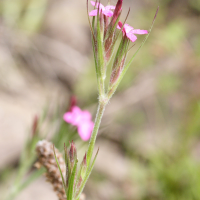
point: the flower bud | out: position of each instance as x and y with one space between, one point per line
116 72
117 12
73 102
72 154
119 61
110 37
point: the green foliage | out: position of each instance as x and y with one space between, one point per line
26 15
168 83
173 35
195 4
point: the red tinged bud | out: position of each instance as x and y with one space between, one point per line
117 12
73 102
110 33
117 72
84 160
119 61
72 154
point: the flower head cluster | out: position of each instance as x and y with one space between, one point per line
104 28
82 120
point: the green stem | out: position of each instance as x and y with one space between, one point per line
100 111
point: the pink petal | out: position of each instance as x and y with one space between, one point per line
73 117
119 25
128 28
81 119
68 117
138 31
86 116
131 36
97 5
85 130
93 13
93 3
108 13
76 109
109 7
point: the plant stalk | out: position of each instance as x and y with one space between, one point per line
100 111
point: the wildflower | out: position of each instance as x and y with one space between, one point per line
105 10
82 120
129 31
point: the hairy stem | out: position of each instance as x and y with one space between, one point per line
100 111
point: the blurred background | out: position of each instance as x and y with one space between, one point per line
150 134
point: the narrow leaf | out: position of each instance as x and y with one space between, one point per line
100 54
67 163
63 181
70 191
86 177
90 22
68 166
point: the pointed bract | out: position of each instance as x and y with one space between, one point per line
117 11
72 154
84 166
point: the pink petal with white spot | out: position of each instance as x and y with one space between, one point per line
138 31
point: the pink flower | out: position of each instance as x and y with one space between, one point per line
129 31
105 10
82 120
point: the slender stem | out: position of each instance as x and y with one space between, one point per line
99 115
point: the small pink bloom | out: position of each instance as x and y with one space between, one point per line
85 130
105 10
82 120
130 31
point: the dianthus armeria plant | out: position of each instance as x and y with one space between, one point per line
106 28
